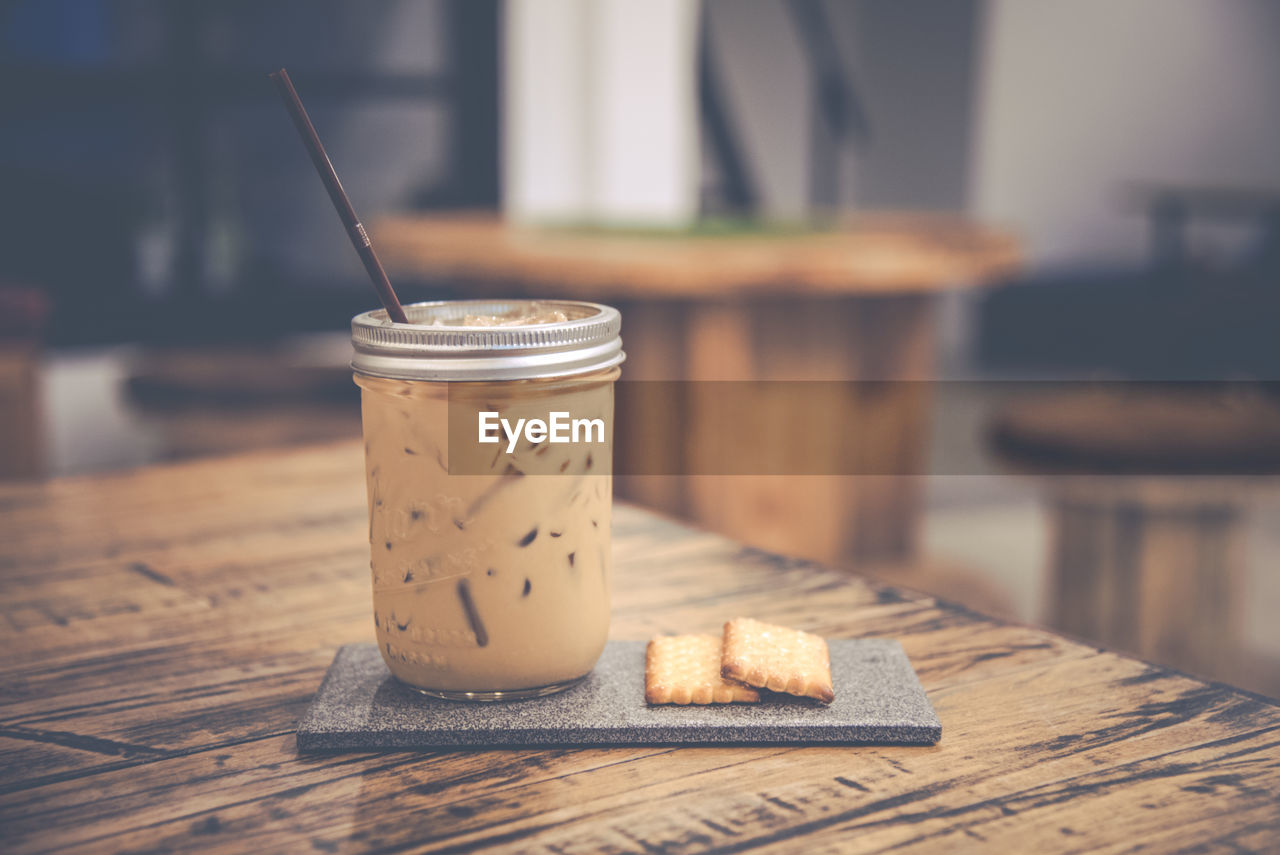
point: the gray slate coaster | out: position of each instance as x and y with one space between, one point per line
361 707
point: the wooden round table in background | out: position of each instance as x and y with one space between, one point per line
848 303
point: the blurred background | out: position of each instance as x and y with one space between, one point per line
961 194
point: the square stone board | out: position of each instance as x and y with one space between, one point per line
361 707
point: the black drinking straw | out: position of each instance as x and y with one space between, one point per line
355 231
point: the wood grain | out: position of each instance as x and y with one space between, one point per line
164 628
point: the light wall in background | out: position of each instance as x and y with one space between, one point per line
600 118
1077 99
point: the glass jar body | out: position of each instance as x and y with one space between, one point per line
492 582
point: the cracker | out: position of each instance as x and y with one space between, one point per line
685 669
777 658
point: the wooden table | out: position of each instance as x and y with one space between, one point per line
164 629
850 303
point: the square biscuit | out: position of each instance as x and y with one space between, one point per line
685 669
777 658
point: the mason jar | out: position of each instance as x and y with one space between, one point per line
490 552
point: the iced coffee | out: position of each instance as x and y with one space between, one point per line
490 559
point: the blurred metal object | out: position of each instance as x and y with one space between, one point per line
740 193
839 116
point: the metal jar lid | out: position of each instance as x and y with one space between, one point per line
428 348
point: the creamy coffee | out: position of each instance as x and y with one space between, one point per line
492 581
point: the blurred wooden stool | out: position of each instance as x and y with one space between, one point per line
1149 563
